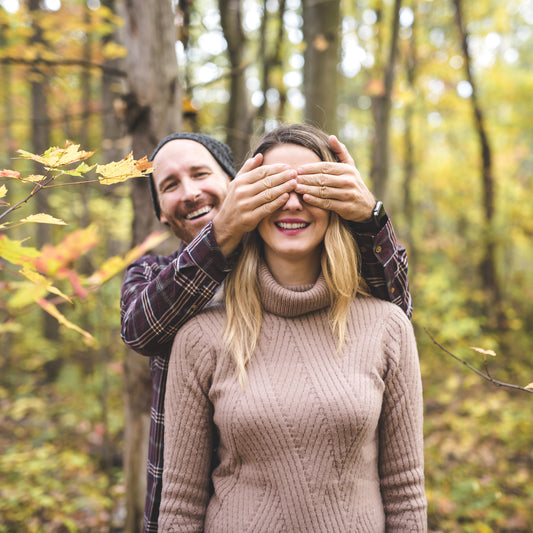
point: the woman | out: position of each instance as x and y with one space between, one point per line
309 388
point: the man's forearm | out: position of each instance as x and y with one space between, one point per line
160 294
384 267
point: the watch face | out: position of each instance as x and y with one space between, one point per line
379 211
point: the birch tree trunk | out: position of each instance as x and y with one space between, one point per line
153 110
321 37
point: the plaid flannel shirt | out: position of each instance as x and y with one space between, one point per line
160 293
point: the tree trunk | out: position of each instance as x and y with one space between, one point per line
152 111
381 106
271 60
321 37
41 142
488 271
409 153
239 125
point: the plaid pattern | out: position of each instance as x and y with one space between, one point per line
160 293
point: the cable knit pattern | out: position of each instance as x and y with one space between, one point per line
319 441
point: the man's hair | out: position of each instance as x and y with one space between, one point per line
339 261
220 151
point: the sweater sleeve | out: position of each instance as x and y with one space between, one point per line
189 433
401 448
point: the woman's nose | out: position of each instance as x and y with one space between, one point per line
294 203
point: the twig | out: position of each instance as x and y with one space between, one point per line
38 187
481 374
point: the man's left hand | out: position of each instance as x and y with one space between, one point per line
336 186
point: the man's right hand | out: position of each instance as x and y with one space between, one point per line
256 192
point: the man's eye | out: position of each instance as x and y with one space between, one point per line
169 187
200 175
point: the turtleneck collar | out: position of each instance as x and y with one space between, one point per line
291 302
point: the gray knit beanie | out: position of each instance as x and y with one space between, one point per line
217 149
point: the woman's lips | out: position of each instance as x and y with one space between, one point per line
291 225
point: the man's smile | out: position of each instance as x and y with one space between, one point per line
197 213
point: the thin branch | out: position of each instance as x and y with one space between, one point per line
38 187
112 71
481 374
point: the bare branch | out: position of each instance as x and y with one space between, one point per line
481 374
112 71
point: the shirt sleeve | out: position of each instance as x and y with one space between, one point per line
384 267
189 433
159 294
401 446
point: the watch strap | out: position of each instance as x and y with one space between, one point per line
375 223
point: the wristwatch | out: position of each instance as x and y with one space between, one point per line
375 223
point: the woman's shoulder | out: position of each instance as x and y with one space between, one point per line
201 333
370 305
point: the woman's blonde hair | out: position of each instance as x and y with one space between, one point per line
339 262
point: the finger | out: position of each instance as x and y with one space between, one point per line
320 180
250 164
325 167
285 178
272 194
323 192
327 204
266 209
340 150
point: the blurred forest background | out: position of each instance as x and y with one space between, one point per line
433 100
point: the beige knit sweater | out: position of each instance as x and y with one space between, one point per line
317 442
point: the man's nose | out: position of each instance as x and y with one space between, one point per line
190 190
294 203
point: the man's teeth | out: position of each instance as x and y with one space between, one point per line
198 212
292 225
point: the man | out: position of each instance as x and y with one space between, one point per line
197 194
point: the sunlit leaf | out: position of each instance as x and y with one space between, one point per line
3 191
56 157
80 171
43 218
112 50
125 169
43 282
15 252
529 386
114 265
33 178
484 352
6 173
71 248
54 311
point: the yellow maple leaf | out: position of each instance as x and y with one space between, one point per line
125 169
33 178
15 252
115 264
43 282
56 157
3 191
43 218
62 319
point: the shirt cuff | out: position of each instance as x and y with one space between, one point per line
204 253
